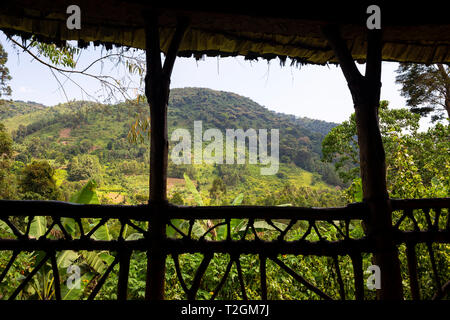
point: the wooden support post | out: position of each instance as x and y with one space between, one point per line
124 264
365 92
157 86
412 269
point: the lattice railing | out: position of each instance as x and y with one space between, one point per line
268 234
426 223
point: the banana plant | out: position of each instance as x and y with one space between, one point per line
92 263
200 227
89 260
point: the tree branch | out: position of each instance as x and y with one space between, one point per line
108 82
60 84
182 25
351 72
374 58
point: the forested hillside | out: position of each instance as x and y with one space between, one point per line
9 109
300 138
84 152
86 140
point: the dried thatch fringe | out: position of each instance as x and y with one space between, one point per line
200 43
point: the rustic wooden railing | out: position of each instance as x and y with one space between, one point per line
423 221
415 222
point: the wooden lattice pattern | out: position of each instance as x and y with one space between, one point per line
235 231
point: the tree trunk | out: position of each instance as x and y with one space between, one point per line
446 79
365 92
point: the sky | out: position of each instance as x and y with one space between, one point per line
317 92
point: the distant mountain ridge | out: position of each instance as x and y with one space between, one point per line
9 108
300 138
237 105
105 125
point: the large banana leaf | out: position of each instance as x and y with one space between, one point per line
198 229
102 233
4 227
66 258
38 227
106 257
238 200
192 189
260 226
87 195
135 236
222 230
74 293
69 225
96 261
171 233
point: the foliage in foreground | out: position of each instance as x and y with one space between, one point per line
417 167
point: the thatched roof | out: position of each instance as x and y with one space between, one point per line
415 33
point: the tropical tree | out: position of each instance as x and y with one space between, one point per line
6 142
7 178
38 183
340 145
84 167
218 188
4 73
62 63
426 88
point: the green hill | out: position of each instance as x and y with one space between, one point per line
65 131
9 109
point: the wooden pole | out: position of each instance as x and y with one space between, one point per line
124 264
157 87
365 92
